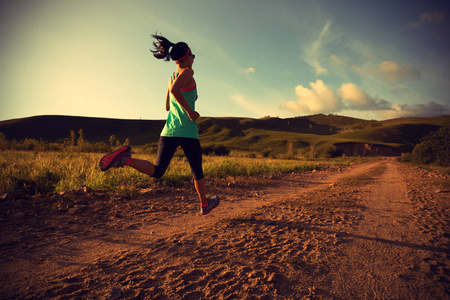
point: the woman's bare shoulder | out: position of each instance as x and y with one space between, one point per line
186 72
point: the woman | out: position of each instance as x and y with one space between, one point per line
180 128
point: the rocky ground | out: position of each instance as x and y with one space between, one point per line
378 230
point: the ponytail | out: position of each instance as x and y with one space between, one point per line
165 49
162 46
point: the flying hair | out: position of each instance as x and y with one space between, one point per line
165 49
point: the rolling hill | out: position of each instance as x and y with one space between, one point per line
320 131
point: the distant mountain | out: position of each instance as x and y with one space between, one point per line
238 133
54 128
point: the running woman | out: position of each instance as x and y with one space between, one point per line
180 128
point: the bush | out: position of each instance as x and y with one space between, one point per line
266 153
405 157
330 152
219 150
433 148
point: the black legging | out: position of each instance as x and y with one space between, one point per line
167 148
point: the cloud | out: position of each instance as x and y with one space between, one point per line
423 110
319 69
435 24
356 98
317 44
427 19
312 52
336 60
390 71
249 70
320 98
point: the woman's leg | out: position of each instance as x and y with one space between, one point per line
166 149
142 166
200 187
193 152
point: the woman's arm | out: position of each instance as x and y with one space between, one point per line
181 81
168 95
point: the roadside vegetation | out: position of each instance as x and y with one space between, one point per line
39 172
433 151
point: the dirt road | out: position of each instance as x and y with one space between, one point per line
378 230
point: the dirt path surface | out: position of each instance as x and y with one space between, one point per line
378 230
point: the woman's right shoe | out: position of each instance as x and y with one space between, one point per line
116 159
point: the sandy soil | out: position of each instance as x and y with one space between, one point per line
378 230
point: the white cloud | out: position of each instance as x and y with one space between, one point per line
249 70
320 98
317 44
313 51
390 71
356 98
336 60
319 69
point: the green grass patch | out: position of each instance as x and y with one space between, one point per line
43 172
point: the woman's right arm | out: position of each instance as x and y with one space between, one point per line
175 89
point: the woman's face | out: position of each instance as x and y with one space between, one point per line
190 59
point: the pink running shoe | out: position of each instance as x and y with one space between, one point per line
116 159
213 202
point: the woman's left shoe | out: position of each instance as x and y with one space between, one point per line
212 203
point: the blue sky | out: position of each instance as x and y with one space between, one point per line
254 58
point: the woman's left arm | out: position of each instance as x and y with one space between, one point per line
168 95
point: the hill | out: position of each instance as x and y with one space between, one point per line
332 132
55 128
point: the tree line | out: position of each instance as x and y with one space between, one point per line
76 142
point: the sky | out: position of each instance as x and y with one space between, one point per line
254 58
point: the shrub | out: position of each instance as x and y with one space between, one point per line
330 152
265 153
405 157
219 150
433 148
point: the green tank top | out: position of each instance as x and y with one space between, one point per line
178 123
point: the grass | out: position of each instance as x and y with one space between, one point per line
43 172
